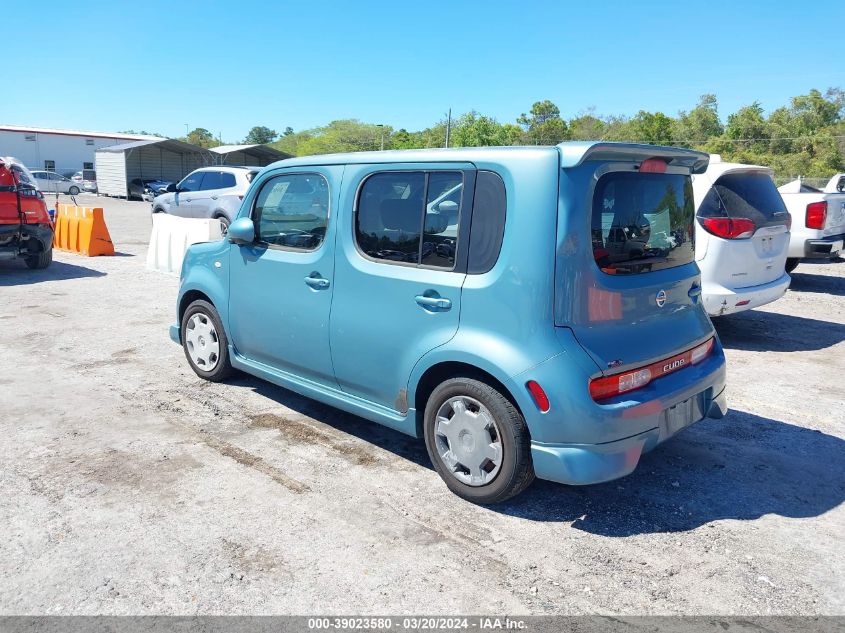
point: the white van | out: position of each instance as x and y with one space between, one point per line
741 237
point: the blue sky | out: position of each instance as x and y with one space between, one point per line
227 66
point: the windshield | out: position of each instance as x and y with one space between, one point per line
642 222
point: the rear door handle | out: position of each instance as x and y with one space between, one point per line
214 197
317 282
434 304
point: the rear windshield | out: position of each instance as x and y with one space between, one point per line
642 222
751 195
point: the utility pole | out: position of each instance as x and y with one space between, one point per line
186 130
381 125
448 126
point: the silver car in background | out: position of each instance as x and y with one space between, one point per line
51 182
209 192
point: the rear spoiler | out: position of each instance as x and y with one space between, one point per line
575 153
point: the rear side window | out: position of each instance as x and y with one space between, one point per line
410 217
292 211
642 222
488 222
227 180
751 195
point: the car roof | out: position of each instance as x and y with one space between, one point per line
572 154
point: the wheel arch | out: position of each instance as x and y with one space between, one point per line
188 298
444 370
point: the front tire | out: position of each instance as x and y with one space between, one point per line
477 441
792 264
204 342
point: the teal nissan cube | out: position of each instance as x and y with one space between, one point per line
528 311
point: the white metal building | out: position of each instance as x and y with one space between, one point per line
160 158
248 155
62 151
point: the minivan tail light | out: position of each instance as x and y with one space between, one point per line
816 215
729 228
616 384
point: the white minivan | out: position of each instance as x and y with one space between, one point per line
741 237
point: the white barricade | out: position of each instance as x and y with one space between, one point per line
172 236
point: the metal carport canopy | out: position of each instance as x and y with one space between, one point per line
263 154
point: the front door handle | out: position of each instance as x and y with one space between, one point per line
317 282
434 304
694 292
214 197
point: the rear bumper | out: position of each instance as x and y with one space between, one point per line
718 300
583 464
824 248
23 240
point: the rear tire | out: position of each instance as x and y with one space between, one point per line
792 264
74 191
480 416
204 342
40 261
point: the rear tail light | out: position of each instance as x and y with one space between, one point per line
816 215
729 228
616 384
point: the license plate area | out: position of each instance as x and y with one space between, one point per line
680 416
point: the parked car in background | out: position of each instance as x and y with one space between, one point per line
836 184
525 341
147 188
26 230
51 182
86 179
210 192
741 237
818 221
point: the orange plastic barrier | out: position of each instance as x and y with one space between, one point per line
82 230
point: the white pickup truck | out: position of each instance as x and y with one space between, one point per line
818 221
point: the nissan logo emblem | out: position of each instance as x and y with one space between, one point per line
660 299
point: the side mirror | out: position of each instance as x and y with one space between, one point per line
241 231
172 188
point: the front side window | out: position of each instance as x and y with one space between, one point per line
410 217
292 210
211 180
192 182
642 222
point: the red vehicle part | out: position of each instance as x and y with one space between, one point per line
25 227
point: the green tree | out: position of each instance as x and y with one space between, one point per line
202 137
654 128
475 130
261 135
544 126
748 123
586 127
698 125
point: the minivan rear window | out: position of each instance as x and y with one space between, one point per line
642 222
751 195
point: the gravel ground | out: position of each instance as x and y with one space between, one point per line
130 486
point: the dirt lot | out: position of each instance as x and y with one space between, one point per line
128 485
